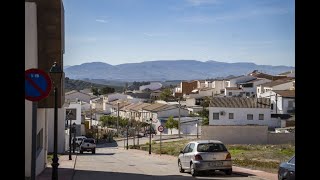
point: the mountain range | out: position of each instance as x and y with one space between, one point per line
163 70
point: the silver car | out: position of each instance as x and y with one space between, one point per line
205 155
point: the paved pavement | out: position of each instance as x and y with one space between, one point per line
66 169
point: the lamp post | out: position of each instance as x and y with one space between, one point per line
150 136
74 136
69 113
127 136
118 120
55 70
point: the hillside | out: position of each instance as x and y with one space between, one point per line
164 70
72 84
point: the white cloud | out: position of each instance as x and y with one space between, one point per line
102 21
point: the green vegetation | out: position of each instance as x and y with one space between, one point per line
260 157
166 95
72 84
171 123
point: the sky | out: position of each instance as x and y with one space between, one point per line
133 31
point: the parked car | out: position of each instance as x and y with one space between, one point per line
79 140
205 155
88 144
287 169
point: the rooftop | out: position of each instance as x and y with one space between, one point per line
285 93
239 102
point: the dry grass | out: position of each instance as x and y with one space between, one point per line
260 157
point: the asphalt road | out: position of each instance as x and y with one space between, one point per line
114 162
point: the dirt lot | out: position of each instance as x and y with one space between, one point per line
260 157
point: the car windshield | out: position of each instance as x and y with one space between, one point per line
88 141
211 147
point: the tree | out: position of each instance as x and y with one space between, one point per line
95 91
166 94
106 90
171 123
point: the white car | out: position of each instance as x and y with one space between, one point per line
205 155
79 140
88 144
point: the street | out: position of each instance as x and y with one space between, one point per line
114 162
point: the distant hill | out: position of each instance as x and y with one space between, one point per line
72 84
163 70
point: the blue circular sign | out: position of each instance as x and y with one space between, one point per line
37 84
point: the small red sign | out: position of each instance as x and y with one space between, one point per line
160 128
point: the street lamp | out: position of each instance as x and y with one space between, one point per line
118 119
68 115
150 136
56 72
74 136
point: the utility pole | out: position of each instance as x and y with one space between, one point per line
179 119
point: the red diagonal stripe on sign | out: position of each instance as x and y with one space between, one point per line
34 85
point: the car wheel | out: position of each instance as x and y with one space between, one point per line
193 172
180 167
228 171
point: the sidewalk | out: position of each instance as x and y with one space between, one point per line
255 173
65 169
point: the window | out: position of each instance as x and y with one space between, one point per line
290 104
185 150
211 147
39 143
247 93
293 160
230 115
230 93
258 90
191 147
215 116
261 116
250 116
271 106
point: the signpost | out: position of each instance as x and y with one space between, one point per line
160 129
37 86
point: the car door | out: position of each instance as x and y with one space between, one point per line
291 168
189 154
182 156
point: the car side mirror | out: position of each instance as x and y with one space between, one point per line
181 152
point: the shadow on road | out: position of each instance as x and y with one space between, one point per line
112 144
97 175
90 154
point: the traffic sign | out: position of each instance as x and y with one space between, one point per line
37 84
160 128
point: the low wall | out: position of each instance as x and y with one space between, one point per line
246 135
281 138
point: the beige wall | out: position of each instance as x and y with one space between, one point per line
281 138
245 135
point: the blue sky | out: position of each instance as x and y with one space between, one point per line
130 31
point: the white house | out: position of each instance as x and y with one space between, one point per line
282 101
241 111
76 95
250 87
201 83
235 92
281 84
219 86
233 82
44 112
